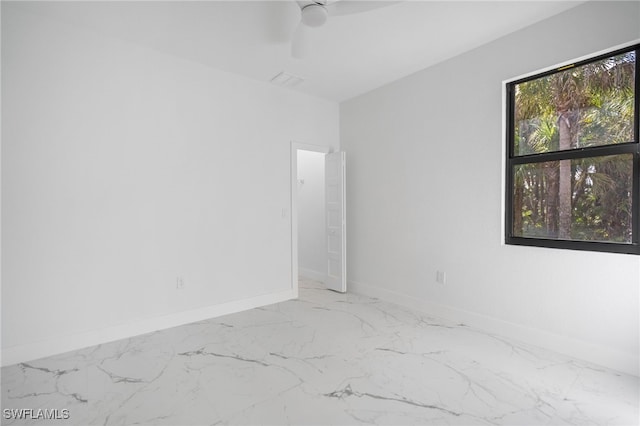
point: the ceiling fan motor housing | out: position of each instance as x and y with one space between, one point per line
314 15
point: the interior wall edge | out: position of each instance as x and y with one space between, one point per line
575 348
62 344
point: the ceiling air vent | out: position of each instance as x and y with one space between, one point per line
286 80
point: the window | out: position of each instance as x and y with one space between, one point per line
573 157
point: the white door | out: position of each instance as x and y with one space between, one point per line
336 236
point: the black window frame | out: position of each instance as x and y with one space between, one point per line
632 147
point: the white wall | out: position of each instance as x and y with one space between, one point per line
124 168
311 215
425 194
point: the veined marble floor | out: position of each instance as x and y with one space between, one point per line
324 359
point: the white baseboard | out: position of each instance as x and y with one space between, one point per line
314 275
596 354
62 344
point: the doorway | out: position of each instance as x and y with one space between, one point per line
317 216
311 215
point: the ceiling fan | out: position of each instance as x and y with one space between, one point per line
315 13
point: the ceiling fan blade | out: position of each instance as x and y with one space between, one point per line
300 41
350 7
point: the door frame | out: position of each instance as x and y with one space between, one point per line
295 146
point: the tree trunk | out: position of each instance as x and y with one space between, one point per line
551 219
564 180
517 207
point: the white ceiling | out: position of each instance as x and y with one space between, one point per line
349 55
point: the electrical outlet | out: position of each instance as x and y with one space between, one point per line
179 283
441 277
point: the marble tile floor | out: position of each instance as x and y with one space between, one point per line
324 359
